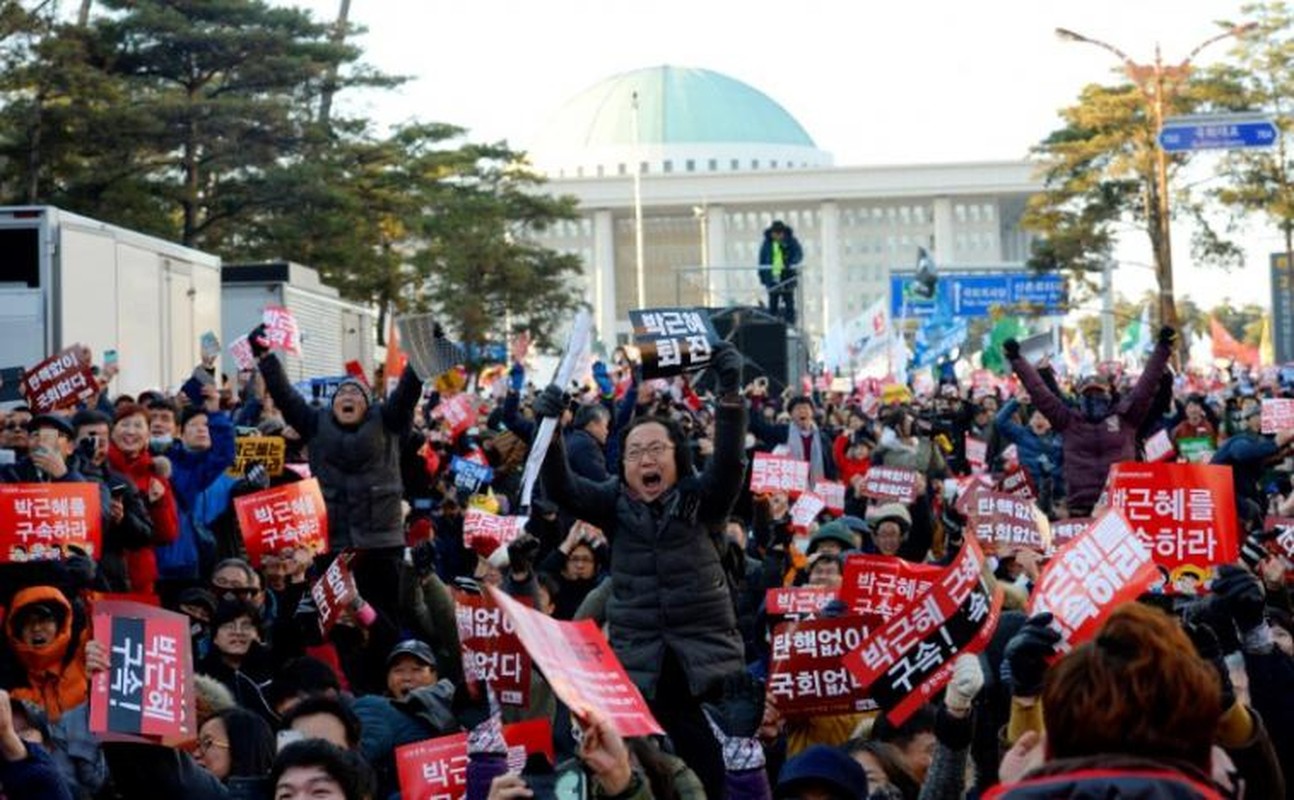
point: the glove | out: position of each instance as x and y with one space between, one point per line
551 402
1208 648
967 680
727 366
1167 335
602 379
1025 660
1011 349
423 556
259 341
517 378
257 477
1240 596
521 553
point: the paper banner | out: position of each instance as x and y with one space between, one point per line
40 521
60 381
284 517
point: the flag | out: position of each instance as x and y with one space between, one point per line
1136 337
429 350
1226 346
1266 347
1003 329
395 357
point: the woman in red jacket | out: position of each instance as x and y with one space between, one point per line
128 454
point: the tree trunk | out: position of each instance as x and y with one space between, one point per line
83 16
330 81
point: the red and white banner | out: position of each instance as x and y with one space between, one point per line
1101 569
976 453
59 381
1064 531
911 657
806 509
805 673
281 330
335 591
832 494
458 411
1185 514
240 350
40 521
1006 519
436 769
890 484
1278 414
1016 481
485 532
581 667
491 650
797 602
280 518
770 474
877 588
148 687
1160 448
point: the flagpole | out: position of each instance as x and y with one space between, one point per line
638 209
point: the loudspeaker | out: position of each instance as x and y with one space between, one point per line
760 338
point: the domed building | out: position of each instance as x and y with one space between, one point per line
718 161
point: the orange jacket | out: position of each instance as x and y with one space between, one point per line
55 681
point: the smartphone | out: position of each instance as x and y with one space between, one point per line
567 784
109 358
287 737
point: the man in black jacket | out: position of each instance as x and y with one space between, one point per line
587 440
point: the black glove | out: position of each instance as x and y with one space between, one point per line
726 363
257 477
259 341
1011 348
551 402
1167 335
1025 660
1208 648
521 553
740 711
423 556
1240 595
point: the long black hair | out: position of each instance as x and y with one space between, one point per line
251 743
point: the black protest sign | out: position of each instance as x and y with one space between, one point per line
673 340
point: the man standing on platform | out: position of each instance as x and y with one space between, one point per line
779 256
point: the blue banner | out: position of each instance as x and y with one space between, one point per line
972 295
469 475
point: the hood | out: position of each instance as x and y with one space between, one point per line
1100 778
47 656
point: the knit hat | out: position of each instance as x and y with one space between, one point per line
895 512
822 765
357 384
834 531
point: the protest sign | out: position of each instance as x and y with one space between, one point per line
436 769
890 484
1280 539
976 453
1185 514
1196 450
335 591
491 650
1277 414
805 673
485 532
1064 531
805 510
429 352
40 521
671 341
577 344
240 350
906 661
289 516
470 476
210 346
771 474
281 331
797 602
581 667
1016 481
967 488
1007 519
876 588
1159 447
58 382
148 687
459 412
832 494
268 451
1102 568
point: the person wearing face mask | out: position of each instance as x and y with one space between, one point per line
161 425
128 454
1041 449
1100 431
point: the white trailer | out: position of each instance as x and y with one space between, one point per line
67 279
333 331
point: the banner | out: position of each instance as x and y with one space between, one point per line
485 532
796 602
281 330
268 451
1196 450
1185 514
240 350
832 494
424 344
335 591
805 510
209 345
672 341
1016 481
1159 447
1007 519
1278 414
148 687
59 381
1064 531
470 476
805 674
770 474
911 657
581 667
491 650
289 516
1101 569
40 521
458 411
890 484
577 344
876 588
976 453
436 769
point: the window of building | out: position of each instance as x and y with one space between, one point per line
989 212
714 165
622 169
579 172
667 166
754 163
642 168
690 165
959 211
601 170
734 165
772 164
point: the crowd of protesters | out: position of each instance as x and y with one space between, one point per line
641 520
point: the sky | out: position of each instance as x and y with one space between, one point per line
921 81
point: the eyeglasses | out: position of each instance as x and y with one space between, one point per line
206 743
654 450
237 591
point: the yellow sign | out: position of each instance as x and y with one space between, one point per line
266 450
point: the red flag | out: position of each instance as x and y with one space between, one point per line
395 357
1226 346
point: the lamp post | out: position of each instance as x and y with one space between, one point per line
702 214
638 210
1158 83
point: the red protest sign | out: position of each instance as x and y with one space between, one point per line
1064 531
485 532
284 517
59 381
805 510
797 602
832 494
281 330
805 675
1160 447
491 650
1015 481
1102 568
1278 414
581 667
1185 514
148 687
436 769
770 474
968 487
876 588
911 657
976 452
240 350
1007 519
335 591
891 484
458 411
40 521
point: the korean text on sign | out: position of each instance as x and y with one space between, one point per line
491 650
772 474
1006 519
41 521
281 330
806 674
469 475
58 382
436 769
877 588
797 602
334 592
268 451
283 517
832 494
891 484
148 687
1277 414
806 509
673 340
486 532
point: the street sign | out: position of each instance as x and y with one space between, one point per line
973 295
1216 132
1282 308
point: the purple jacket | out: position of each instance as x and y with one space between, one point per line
1091 447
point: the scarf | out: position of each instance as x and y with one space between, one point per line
795 445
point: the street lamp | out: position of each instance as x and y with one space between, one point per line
702 214
1159 83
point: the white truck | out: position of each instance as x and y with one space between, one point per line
66 279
